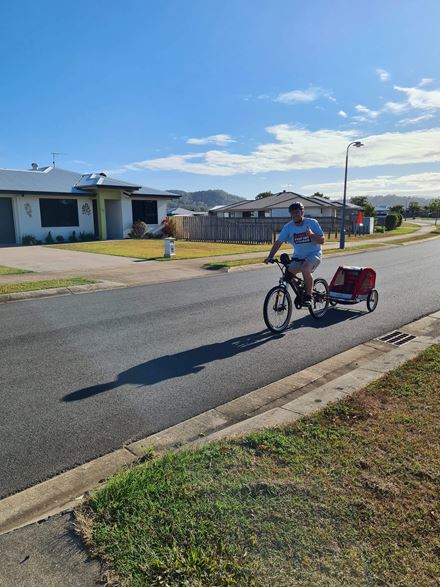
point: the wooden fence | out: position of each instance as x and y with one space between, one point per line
244 230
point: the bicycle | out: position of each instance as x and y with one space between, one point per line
277 309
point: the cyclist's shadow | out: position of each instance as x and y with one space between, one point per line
332 316
177 365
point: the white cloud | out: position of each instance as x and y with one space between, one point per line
304 96
417 183
421 99
371 114
396 107
383 74
220 140
425 81
342 114
408 121
296 148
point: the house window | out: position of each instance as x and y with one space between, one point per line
247 214
261 214
57 212
145 210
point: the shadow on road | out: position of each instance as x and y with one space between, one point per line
177 365
333 316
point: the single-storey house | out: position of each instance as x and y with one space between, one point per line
40 200
277 206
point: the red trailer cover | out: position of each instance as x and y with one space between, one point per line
356 281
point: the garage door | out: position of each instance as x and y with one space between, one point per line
7 231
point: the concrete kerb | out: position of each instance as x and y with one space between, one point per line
59 291
279 403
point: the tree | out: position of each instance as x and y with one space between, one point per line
319 195
434 208
369 210
361 201
414 209
398 209
263 195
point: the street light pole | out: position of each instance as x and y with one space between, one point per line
342 235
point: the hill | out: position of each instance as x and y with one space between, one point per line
393 200
204 199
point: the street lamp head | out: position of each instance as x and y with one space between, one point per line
358 144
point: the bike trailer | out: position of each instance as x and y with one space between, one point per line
352 284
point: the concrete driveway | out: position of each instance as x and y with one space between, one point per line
46 260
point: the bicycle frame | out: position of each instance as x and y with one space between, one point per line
296 283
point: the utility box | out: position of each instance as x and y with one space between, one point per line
170 246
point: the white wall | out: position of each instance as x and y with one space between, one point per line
28 219
311 211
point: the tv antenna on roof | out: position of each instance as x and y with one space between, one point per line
54 153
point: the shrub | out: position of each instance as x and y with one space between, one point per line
59 238
168 226
49 239
86 236
73 238
29 239
399 218
391 221
138 229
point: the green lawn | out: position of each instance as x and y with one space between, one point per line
348 497
154 248
7 288
12 270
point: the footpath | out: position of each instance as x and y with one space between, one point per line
38 543
113 272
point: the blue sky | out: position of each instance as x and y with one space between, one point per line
242 95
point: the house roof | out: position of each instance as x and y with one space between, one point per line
146 191
54 180
95 180
181 212
280 200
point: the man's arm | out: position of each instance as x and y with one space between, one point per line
273 250
316 237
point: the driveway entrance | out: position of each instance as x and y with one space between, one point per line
7 230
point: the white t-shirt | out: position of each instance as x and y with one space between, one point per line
303 246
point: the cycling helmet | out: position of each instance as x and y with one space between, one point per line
296 206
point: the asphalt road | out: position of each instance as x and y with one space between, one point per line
80 375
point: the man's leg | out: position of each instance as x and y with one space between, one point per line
308 267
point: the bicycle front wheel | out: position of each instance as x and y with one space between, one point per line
320 298
277 309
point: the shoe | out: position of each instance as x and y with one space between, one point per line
307 300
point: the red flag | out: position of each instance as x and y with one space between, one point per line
359 219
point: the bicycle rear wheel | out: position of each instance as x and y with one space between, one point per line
277 309
320 298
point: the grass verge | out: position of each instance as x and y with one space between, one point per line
7 288
12 270
346 497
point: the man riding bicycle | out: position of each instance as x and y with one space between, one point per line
306 237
